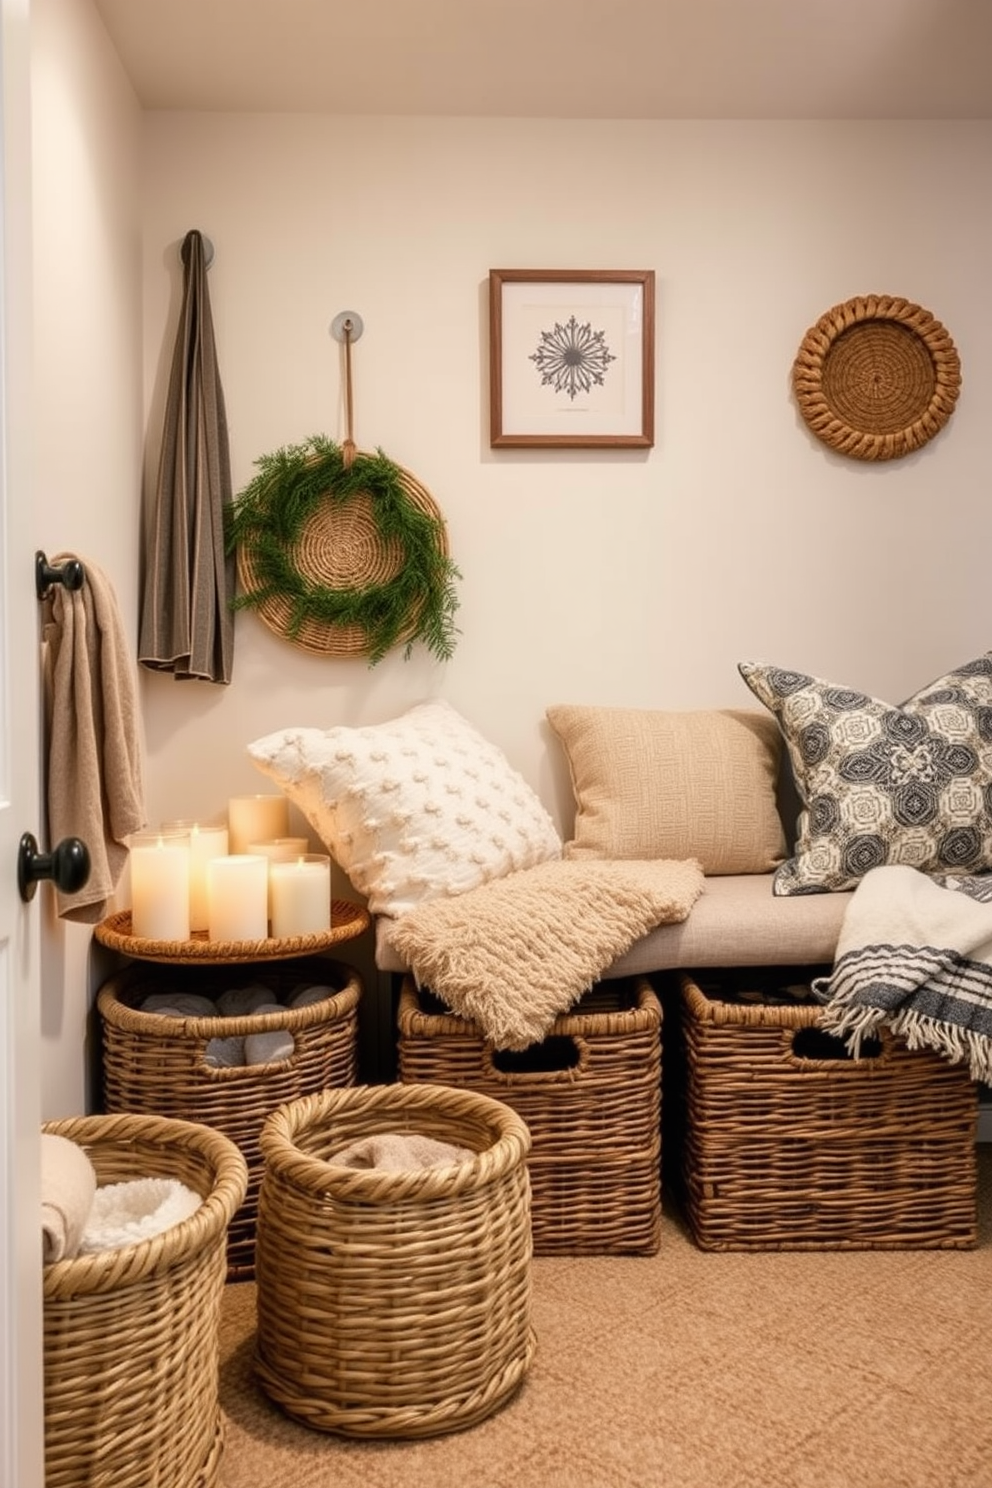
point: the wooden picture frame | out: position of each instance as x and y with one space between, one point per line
571 358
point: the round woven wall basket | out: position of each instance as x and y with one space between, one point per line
876 377
341 547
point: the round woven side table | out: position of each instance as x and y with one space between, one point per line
393 1303
158 1065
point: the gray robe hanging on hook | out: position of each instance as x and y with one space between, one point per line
187 626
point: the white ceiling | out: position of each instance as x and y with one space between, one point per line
595 59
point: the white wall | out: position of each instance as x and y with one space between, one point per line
87 314
600 577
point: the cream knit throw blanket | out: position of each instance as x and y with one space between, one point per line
515 954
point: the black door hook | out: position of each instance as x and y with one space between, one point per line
71 575
68 866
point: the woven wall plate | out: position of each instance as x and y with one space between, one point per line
350 569
876 377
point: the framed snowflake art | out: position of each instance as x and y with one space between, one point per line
571 358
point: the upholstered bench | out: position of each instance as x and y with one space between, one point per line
711 785
737 921
423 808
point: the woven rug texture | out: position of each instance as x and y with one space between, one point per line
687 1369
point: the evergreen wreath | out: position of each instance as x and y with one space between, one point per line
267 520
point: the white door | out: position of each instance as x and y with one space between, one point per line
21 1409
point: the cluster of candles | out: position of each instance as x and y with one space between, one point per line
244 880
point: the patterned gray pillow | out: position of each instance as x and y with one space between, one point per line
882 784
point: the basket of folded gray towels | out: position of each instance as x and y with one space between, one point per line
134 1218
226 1045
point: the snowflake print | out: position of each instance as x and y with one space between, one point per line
572 358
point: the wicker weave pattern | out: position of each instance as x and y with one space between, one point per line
876 377
131 1355
340 547
595 1163
787 1152
393 1304
347 921
154 1063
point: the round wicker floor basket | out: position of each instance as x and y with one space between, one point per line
393 1304
155 1063
130 1335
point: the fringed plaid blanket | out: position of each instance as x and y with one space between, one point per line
915 953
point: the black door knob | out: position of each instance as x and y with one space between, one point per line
67 865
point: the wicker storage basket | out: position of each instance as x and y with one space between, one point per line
591 1097
789 1144
393 1304
130 1335
156 1063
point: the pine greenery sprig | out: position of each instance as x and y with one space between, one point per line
267 520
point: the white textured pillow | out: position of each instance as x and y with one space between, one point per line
412 809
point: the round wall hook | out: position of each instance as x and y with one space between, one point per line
208 249
347 326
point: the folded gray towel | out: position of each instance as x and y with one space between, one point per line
305 995
224 1053
181 1004
269 1048
241 1002
273 1045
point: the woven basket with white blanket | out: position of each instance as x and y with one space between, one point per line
131 1351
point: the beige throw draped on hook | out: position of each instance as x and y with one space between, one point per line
187 626
95 764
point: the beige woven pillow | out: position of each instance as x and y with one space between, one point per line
652 784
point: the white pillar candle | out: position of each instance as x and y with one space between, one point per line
159 886
206 841
279 850
237 897
301 896
256 819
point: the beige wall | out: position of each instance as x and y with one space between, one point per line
626 578
87 309
597 577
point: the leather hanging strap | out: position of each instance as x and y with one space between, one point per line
348 448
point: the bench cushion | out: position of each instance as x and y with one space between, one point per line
736 921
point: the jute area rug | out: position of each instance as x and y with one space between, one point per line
691 1369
